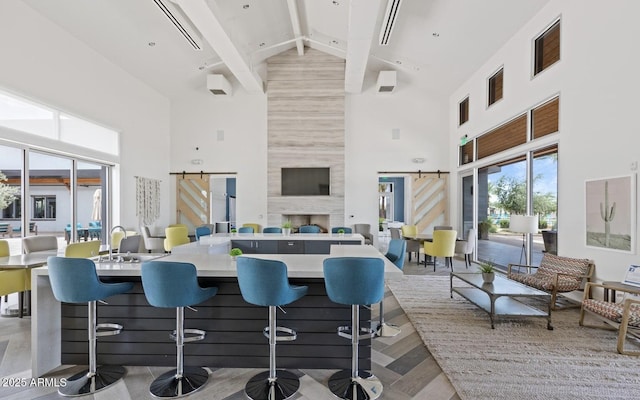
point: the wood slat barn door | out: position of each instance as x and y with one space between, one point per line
430 207
192 202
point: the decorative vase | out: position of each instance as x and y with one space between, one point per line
488 277
286 231
233 258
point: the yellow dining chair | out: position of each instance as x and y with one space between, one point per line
413 246
443 245
83 249
175 236
12 281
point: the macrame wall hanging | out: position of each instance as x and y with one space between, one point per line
147 200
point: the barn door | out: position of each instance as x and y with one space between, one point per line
430 201
192 203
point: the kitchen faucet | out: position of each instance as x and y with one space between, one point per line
111 239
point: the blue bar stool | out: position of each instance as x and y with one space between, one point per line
265 283
396 253
74 280
175 285
354 281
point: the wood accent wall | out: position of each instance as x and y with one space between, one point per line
305 124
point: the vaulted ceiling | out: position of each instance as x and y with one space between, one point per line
435 44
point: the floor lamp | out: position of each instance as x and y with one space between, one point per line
523 224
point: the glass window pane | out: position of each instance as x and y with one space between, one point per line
10 200
82 133
23 116
91 205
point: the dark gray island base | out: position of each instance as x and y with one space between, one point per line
234 336
234 331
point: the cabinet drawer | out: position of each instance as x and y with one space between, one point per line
290 247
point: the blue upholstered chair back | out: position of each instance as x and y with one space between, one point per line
173 284
245 229
346 229
396 252
74 280
354 280
202 231
272 229
265 282
309 229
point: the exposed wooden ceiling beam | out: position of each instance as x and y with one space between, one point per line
363 15
211 27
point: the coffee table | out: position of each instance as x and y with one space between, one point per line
499 299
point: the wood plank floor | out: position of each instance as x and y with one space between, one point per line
403 364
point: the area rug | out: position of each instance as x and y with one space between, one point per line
520 358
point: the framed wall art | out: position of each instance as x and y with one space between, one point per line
611 213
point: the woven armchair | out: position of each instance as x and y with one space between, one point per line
623 317
555 274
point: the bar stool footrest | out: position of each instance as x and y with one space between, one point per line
169 385
365 387
260 387
290 334
365 333
198 334
113 329
82 384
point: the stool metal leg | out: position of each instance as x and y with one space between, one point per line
355 384
273 384
384 329
182 380
95 378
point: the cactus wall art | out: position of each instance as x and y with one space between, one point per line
610 213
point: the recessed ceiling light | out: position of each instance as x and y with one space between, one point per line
151 44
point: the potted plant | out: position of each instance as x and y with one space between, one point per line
286 227
341 232
484 227
233 231
235 252
488 272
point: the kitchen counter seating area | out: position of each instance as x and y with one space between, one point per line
234 327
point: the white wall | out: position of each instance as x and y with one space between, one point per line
195 121
369 119
42 62
598 82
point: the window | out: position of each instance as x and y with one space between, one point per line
504 137
547 48
385 200
13 210
44 207
495 87
544 118
464 111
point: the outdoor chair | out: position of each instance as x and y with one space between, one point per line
555 274
623 317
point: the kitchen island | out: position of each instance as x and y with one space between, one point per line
234 327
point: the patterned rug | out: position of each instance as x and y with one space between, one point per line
520 358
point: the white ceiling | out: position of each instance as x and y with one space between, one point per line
470 31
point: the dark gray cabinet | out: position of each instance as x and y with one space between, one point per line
256 246
288 246
291 247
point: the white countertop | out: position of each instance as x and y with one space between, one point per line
221 265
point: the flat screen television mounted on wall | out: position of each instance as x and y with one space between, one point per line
305 181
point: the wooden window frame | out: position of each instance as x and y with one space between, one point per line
494 89
463 103
538 48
